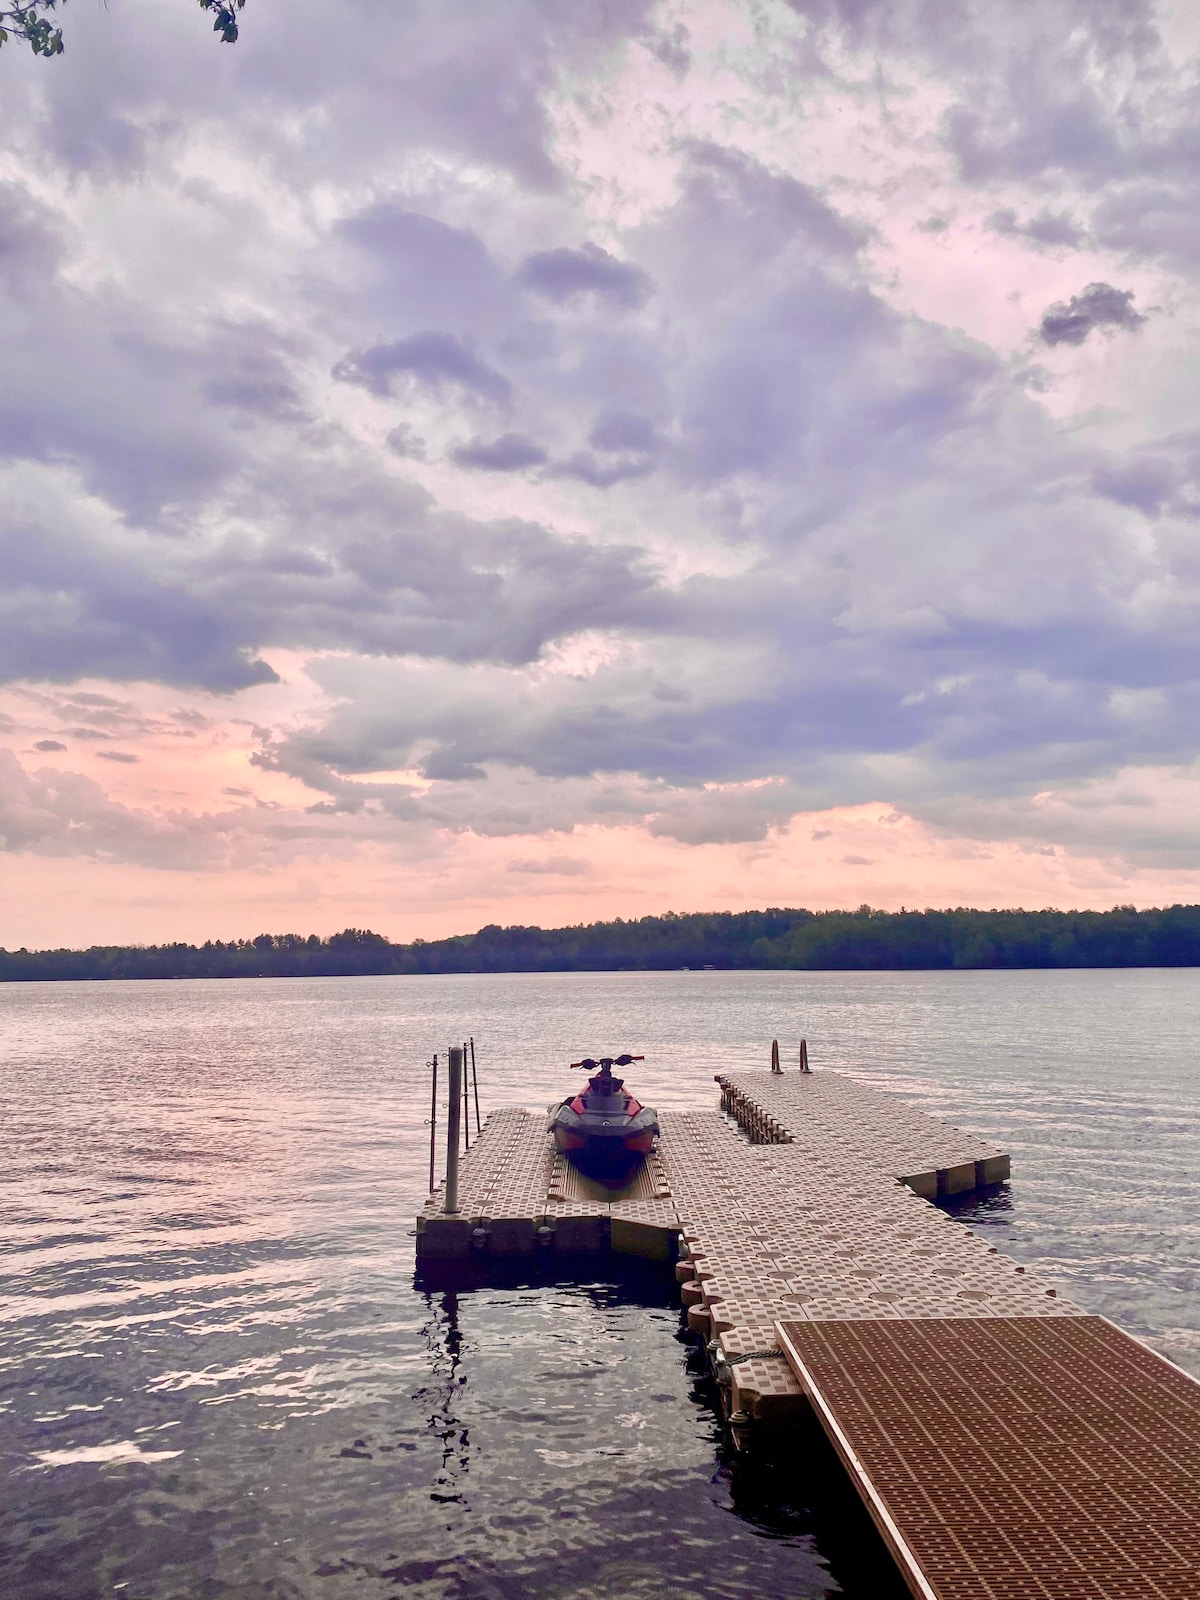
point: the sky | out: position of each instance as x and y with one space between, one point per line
547 460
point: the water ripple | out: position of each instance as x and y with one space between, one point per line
217 1377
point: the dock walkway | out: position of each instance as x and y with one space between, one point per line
1008 1445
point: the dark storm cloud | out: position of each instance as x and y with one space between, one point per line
431 359
1097 306
565 274
511 452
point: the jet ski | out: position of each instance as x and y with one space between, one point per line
604 1130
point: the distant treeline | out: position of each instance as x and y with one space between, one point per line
862 940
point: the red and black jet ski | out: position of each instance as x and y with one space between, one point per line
604 1130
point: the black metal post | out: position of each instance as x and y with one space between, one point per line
475 1083
433 1130
466 1104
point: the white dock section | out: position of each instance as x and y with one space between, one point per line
1007 1445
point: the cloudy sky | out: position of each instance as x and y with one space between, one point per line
538 460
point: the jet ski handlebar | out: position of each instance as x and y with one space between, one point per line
589 1065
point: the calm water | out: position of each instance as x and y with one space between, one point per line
217 1377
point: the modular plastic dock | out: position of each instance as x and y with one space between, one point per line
1008 1445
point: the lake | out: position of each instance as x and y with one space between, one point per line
218 1377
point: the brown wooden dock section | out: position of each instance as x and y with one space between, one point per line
1008 1446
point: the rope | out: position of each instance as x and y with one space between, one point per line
753 1355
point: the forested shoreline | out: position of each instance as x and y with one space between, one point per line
862 940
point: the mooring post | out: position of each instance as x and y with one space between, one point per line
775 1067
454 1112
804 1066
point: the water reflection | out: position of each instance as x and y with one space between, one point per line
443 1336
580 1452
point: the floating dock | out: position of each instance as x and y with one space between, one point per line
1007 1445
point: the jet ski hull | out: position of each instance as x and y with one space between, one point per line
604 1130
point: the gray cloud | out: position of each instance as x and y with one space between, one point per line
405 442
603 473
1153 219
264 391
31 242
123 756
553 866
1046 228
1147 483
737 222
65 814
629 446
1162 479
624 430
48 745
71 606
422 268
431 359
511 452
566 274
1068 130
1097 306
348 560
